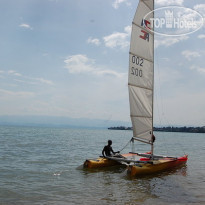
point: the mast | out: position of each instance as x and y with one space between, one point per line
152 145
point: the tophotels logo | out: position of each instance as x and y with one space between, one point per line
173 21
169 18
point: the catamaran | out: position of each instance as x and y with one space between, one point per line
141 90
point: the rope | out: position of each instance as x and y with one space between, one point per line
160 104
159 101
126 145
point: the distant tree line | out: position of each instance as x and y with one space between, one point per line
167 129
181 129
120 128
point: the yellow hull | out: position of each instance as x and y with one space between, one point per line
155 166
103 162
99 163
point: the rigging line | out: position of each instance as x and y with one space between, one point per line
126 145
133 149
164 116
161 101
160 95
157 104
162 107
159 92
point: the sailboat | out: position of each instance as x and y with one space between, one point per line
141 90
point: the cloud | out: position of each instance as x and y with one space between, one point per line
21 94
190 54
118 39
44 81
197 68
79 64
116 3
2 74
94 41
82 64
202 36
13 72
170 2
110 73
201 9
27 26
34 81
168 41
26 79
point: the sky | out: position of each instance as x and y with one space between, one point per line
70 58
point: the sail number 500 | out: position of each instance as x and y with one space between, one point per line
136 72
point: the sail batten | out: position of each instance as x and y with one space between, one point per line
141 71
139 86
138 139
140 116
140 57
147 5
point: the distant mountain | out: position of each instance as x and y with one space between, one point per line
58 121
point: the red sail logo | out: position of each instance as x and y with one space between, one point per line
144 34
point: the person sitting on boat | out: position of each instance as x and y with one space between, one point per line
108 151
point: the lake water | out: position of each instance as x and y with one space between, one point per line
42 166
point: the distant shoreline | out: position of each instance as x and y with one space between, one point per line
167 129
120 128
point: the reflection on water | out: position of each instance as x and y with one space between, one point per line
181 170
163 187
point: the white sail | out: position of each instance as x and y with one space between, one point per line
141 72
